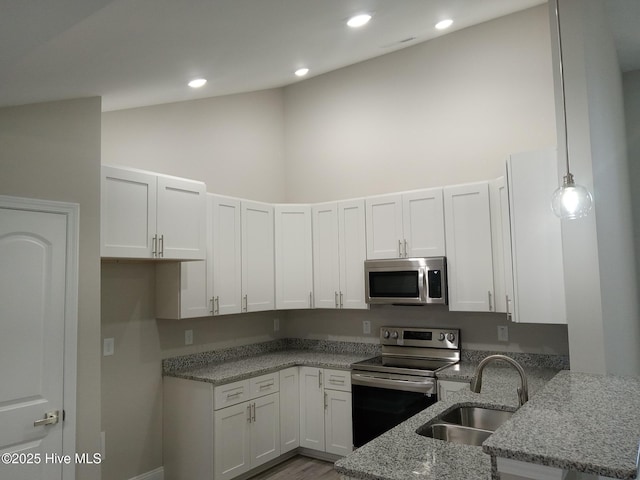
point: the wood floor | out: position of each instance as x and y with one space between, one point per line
300 468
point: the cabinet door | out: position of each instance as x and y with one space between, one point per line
338 422
423 223
311 408
231 451
384 227
226 255
536 239
294 257
352 253
265 429
181 221
181 290
257 257
326 262
468 243
501 244
128 213
289 409
447 387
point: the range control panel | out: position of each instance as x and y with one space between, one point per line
421 337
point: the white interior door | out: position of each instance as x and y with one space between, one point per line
33 283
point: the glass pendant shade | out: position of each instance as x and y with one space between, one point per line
571 201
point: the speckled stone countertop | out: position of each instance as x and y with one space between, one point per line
402 454
584 422
240 368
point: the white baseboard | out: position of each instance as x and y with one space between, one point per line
157 474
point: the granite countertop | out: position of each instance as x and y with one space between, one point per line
584 422
227 371
401 454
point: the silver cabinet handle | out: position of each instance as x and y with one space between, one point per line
335 294
154 246
405 248
340 299
217 305
161 245
310 299
246 303
326 402
320 379
265 385
253 405
248 413
50 418
507 301
233 395
490 302
213 310
400 248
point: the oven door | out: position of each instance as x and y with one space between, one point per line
380 402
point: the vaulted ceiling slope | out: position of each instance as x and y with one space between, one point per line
143 52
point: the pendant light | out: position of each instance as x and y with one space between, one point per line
571 200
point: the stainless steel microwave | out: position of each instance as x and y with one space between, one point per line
406 281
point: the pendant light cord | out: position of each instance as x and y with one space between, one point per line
562 90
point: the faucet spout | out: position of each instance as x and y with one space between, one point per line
523 390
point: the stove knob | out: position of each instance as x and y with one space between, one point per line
386 334
451 337
394 335
441 337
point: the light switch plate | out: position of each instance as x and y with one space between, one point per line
107 347
366 326
276 324
188 337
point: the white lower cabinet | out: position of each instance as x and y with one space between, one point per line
447 387
325 410
246 436
289 409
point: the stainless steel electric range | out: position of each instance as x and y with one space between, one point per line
388 389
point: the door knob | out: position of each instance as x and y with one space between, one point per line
50 418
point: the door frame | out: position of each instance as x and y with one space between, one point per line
72 213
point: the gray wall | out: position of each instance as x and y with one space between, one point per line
52 151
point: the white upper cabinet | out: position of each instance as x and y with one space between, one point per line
144 215
257 256
536 242
501 244
225 255
339 251
294 258
468 244
406 225
423 223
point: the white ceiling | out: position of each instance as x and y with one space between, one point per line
143 52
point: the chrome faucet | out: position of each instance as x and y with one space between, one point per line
523 390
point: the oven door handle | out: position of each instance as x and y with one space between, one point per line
426 386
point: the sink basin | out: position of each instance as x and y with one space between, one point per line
477 417
455 433
465 425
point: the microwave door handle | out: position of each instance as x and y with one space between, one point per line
425 293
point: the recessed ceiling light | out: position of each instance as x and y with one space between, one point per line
301 72
197 82
443 24
359 20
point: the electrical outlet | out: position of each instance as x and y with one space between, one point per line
366 326
107 347
276 324
503 333
188 337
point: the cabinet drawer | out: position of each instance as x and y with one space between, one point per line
231 394
264 384
337 380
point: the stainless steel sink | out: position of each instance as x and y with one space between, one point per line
477 417
455 433
465 425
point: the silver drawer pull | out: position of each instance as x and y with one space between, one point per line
266 385
233 395
337 381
